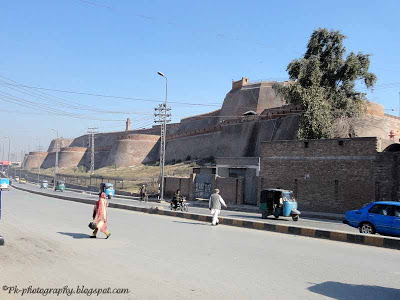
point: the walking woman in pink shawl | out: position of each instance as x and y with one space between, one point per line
100 216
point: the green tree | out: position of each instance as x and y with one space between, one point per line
324 84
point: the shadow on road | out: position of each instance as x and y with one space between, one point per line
192 223
75 235
339 290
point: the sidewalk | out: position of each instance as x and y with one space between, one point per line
255 209
231 207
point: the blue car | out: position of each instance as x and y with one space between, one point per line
377 217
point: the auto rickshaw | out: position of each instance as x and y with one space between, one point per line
44 184
60 186
278 202
108 189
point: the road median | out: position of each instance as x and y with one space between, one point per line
354 238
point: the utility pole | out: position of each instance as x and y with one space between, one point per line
92 131
161 114
56 165
22 161
162 109
9 161
40 151
2 163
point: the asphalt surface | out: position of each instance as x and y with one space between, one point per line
303 222
159 257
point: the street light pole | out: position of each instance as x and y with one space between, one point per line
9 149
163 137
56 165
9 161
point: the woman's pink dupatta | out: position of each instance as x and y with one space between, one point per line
101 214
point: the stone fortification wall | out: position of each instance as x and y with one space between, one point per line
61 143
239 101
34 160
255 97
379 126
331 175
199 122
49 161
268 98
67 157
236 139
70 156
132 149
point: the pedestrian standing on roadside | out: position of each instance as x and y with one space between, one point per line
100 216
143 193
215 206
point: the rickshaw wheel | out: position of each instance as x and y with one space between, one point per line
264 215
109 196
276 216
295 218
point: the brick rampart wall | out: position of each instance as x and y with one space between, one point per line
329 177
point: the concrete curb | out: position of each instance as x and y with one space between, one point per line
303 214
354 238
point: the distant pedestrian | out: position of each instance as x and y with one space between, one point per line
215 206
143 193
100 216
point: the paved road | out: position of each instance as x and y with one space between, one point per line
159 257
303 222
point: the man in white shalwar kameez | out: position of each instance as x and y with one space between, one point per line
215 206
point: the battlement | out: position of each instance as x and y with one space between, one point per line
240 83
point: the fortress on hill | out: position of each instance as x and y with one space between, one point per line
251 113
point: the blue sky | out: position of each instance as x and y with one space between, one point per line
117 47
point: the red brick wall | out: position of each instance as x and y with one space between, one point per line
329 177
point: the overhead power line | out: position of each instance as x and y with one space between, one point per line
111 96
218 35
38 106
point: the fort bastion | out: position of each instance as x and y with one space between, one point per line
250 114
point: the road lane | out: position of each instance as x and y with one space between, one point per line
303 222
171 258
